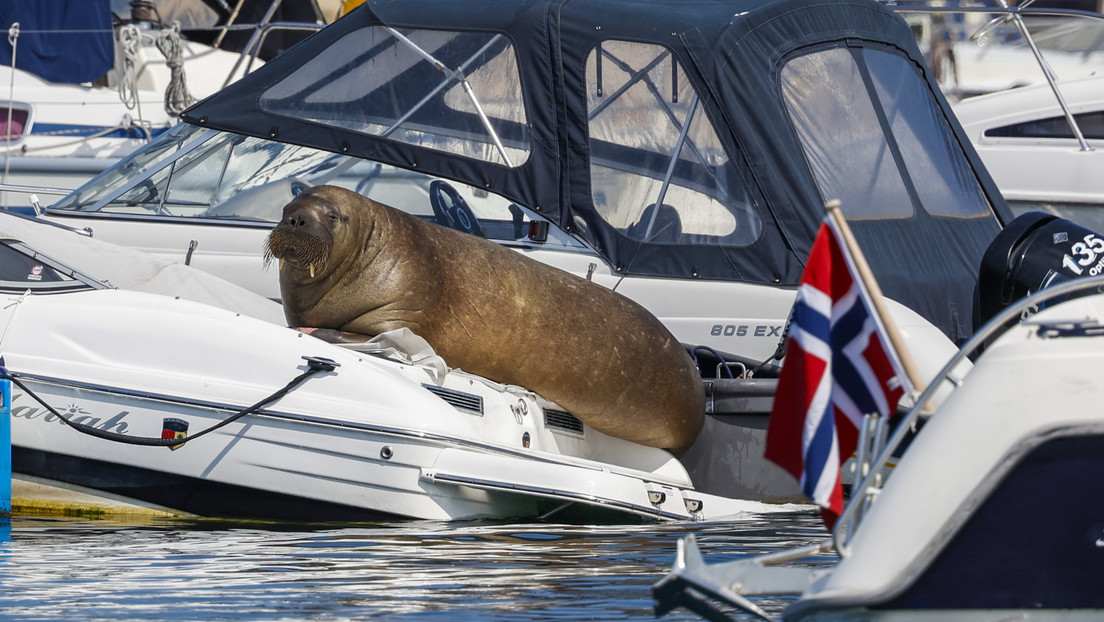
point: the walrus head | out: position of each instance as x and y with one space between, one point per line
306 234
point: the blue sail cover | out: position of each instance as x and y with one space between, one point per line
63 41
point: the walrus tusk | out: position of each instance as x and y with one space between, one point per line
312 270
281 264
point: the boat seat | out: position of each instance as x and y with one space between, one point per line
667 228
264 202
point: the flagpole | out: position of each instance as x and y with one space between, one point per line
876 298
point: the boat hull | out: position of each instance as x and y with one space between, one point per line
275 465
370 437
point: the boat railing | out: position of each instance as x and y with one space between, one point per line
252 49
1015 15
864 494
695 584
246 58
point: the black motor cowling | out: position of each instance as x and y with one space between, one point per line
1034 251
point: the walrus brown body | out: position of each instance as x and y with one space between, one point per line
487 310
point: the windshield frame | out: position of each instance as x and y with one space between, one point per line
187 146
102 197
75 281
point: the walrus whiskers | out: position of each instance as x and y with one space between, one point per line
308 249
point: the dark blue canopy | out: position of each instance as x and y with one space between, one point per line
693 139
64 41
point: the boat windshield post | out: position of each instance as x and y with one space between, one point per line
450 76
184 150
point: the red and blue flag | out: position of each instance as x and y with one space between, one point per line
839 366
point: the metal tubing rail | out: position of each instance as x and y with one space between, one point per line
252 47
1016 14
671 165
35 189
458 76
5 449
841 535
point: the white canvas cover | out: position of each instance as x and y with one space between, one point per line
126 268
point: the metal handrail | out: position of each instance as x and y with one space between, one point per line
1015 14
841 535
24 189
252 47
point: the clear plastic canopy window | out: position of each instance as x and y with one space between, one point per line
659 173
456 92
853 160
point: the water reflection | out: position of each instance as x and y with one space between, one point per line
57 569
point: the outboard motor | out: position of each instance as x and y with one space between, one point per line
1034 251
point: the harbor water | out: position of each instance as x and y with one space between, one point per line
172 569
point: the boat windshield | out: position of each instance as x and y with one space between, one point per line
191 173
22 269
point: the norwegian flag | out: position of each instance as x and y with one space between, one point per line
838 367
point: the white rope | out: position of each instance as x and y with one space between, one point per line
177 97
18 304
129 40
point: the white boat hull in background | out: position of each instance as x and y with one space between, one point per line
73 132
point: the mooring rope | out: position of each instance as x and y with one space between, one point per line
129 40
315 365
177 97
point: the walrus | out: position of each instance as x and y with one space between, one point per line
351 264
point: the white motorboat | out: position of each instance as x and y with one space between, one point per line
992 512
987 46
84 86
583 135
1035 157
387 431
1027 90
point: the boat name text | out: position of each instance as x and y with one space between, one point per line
74 413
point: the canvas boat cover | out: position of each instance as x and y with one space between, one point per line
63 41
126 268
693 139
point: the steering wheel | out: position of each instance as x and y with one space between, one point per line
149 197
450 209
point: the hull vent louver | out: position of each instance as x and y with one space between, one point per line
558 420
457 399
